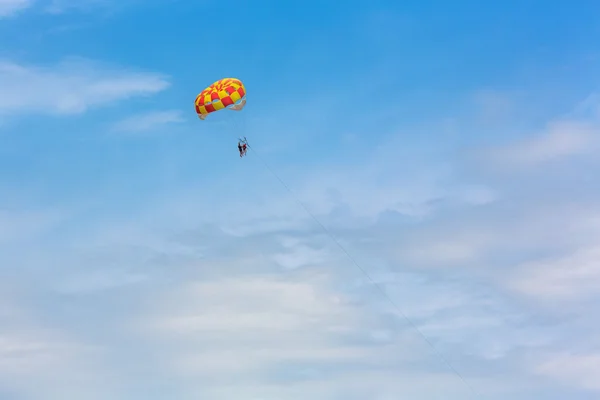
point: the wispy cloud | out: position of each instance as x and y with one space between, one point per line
494 106
10 8
38 360
21 224
579 369
62 6
573 276
59 7
71 87
563 140
148 121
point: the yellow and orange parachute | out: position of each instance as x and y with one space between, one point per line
225 93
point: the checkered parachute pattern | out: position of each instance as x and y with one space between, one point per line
225 93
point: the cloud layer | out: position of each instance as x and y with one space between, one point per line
264 304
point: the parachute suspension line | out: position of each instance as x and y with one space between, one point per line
366 274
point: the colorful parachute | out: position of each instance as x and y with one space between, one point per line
225 93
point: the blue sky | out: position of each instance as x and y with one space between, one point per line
450 148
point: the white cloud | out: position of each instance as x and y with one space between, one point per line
526 221
257 305
587 109
58 7
19 225
148 121
462 316
9 8
38 361
354 385
71 87
98 280
493 105
298 254
577 370
62 6
256 330
561 140
477 195
571 277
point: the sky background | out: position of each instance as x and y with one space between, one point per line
450 147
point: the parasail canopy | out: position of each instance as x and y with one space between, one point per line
225 93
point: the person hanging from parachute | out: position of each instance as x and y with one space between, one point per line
225 93
244 143
242 146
